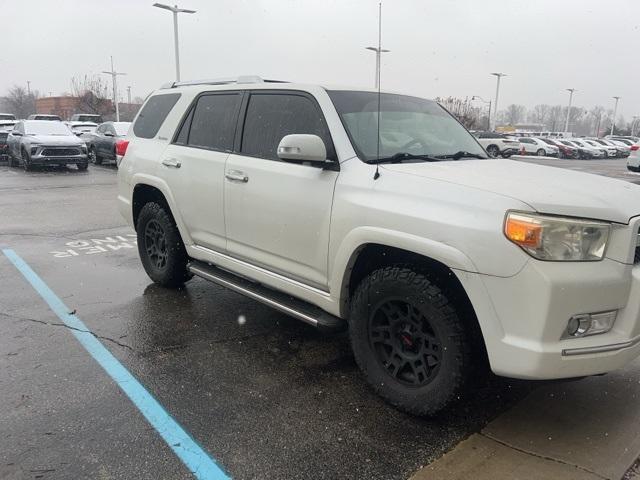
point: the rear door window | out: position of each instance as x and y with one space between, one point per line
153 114
212 123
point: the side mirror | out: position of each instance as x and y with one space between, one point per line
306 148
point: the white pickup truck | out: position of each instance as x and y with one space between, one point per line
381 214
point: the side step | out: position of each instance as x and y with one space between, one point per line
280 301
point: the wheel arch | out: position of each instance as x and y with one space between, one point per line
149 189
369 257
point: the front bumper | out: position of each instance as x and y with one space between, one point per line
58 160
524 316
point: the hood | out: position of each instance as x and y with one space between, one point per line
55 139
549 190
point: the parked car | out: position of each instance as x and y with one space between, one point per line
7 116
608 150
86 118
622 141
7 124
594 152
536 146
42 142
633 161
41 116
626 137
4 148
79 128
102 141
582 153
438 260
564 151
621 151
497 144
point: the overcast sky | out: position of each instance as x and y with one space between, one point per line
438 47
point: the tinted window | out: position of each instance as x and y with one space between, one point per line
272 116
214 122
183 134
153 114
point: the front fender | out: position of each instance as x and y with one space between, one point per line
358 238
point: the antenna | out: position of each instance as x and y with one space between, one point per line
377 174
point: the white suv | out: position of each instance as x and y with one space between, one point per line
437 259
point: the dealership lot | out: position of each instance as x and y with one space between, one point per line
264 395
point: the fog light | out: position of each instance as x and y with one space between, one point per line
587 324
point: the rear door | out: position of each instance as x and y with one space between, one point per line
277 213
193 165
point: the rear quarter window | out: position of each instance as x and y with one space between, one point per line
153 114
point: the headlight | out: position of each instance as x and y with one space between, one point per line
558 238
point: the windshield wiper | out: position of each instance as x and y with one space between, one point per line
402 156
461 154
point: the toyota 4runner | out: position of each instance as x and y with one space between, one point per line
380 213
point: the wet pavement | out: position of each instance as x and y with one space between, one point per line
265 395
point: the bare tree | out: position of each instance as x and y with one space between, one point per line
463 110
515 113
19 102
91 92
540 113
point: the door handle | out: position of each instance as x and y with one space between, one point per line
171 162
236 176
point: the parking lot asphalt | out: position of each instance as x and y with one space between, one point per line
265 395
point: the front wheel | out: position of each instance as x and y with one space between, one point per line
541 152
94 157
409 340
26 161
160 246
493 151
82 166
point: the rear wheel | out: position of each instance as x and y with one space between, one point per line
409 340
94 157
160 246
493 151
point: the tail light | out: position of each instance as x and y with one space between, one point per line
121 147
635 147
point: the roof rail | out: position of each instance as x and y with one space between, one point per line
223 81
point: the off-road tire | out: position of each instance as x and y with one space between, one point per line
172 272
454 371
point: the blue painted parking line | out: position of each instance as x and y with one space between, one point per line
195 458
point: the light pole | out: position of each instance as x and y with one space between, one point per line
129 94
495 103
615 111
379 50
175 10
633 124
566 124
114 76
29 87
489 113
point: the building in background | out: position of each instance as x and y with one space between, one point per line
66 106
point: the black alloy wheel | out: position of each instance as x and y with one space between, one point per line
405 343
155 244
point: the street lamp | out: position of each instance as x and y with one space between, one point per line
175 10
634 119
566 124
615 111
495 103
114 76
489 113
379 50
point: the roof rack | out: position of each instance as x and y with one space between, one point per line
223 81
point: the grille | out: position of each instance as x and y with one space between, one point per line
60 152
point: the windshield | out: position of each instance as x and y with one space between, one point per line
407 125
121 128
44 127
